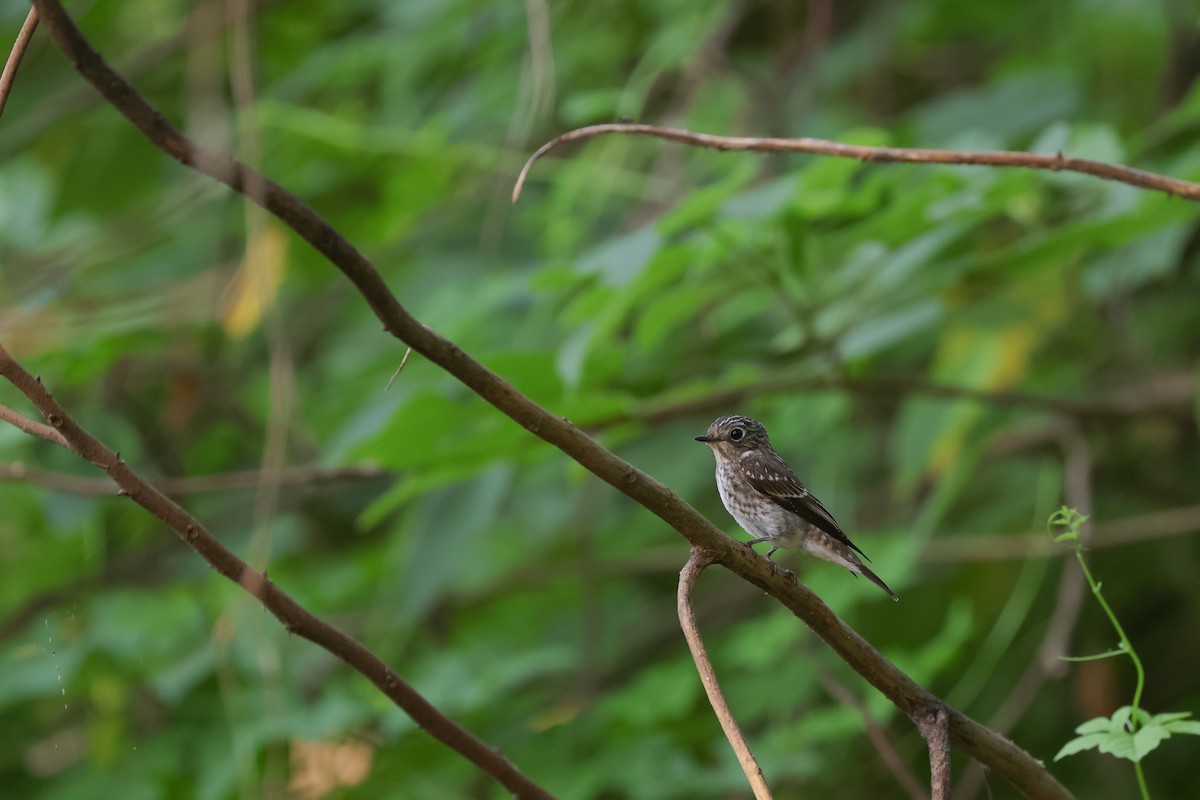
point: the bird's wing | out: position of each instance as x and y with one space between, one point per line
774 478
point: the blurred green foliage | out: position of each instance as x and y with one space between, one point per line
636 282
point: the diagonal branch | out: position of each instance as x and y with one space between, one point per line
696 564
295 618
988 158
15 55
996 751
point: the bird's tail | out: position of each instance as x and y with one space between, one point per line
875 579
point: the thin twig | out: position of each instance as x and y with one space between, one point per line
1025 772
396 374
992 158
295 618
878 736
935 727
697 561
15 55
26 425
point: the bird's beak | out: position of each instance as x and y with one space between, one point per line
706 438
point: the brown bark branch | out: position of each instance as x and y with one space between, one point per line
992 158
15 55
935 727
999 753
26 425
295 618
696 563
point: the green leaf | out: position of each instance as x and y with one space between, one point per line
671 311
1190 727
700 205
1096 725
1081 743
1111 735
1120 717
444 529
1148 738
1119 743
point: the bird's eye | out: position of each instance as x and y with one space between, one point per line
736 435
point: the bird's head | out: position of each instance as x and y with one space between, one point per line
731 436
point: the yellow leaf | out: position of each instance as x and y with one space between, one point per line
256 283
991 357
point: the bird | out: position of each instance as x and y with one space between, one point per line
766 498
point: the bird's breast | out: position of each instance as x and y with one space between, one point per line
755 512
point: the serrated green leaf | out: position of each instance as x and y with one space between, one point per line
1148 738
1118 743
1096 725
1141 716
1189 727
1079 744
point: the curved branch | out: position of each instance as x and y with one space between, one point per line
696 563
988 158
295 618
15 55
996 751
